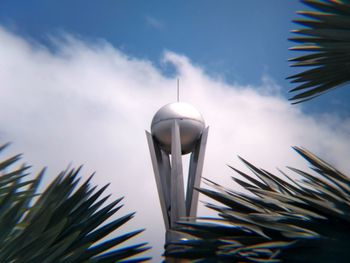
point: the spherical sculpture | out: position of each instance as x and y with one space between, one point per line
191 124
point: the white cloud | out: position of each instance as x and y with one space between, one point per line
154 22
90 104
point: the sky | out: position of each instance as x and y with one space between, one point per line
81 80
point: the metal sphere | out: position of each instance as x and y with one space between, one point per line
191 124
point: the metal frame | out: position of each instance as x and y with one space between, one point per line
168 172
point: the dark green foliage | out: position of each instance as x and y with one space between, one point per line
280 220
325 38
63 224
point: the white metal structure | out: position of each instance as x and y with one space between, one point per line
177 129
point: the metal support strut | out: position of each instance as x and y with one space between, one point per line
168 172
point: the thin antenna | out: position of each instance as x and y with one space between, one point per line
178 90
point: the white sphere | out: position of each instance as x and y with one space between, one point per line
190 121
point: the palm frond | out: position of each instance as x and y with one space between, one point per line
66 223
325 37
280 220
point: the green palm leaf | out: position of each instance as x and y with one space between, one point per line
66 223
325 37
280 220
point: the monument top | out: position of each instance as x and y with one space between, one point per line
190 120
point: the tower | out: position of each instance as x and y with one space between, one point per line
177 129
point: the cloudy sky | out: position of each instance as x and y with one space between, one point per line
81 80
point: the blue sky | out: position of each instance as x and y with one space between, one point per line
239 41
81 81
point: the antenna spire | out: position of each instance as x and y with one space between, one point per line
178 89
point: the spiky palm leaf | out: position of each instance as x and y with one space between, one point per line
281 220
326 40
63 224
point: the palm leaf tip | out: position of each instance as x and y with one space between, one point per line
325 37
65 223
286 220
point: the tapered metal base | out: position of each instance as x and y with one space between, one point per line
168 172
